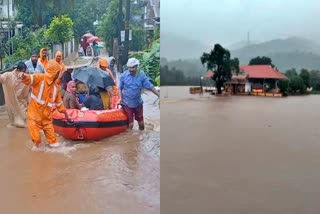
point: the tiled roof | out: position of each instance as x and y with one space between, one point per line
261 72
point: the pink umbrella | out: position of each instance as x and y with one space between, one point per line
87 35
210 74
91 39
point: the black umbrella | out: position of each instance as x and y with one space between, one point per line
93 76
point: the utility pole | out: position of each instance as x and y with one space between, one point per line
120 27
8 24
126 40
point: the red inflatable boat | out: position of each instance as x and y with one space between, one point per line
90 124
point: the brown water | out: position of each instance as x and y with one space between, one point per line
117 175
239 154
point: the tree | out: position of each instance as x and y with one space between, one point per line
60 30
283 86
42 11
218 59
261 61
139 39
150 62
315 80
85 13
291 73
296 85
234 64
24 44
305 76
108 29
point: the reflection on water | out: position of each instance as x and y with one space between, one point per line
116 175
239 154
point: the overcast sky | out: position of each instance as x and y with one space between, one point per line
228 21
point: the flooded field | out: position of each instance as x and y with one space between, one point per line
239 154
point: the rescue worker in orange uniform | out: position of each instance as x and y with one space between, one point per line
111 98
58 58
44 94
43 59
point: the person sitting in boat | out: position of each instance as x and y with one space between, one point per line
66 77
82 91
132 81
70 99
109 96
93 100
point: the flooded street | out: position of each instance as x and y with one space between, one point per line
239 154
117 175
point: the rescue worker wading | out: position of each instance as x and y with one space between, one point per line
45 92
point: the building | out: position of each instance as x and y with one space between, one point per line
7 13
261 80
152 14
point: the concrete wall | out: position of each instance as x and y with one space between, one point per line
69 47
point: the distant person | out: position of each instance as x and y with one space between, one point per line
131 83
70 99
84 45
44 95
33 66
95 48
15 95
89 51
44 57
112 62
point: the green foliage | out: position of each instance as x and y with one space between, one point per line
23 44
138 42
291 73
108 28
315 80
150 62
296 85
283 86
173 76
219 61
234 64
305 76
60 30
261 61
39 13
85 13
156 34
306 79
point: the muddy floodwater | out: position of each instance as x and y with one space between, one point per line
118 175
239 154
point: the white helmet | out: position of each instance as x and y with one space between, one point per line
132 62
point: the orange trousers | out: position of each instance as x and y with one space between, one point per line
34 131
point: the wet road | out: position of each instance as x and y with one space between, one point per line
117 175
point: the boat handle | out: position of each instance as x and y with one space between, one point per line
80 135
